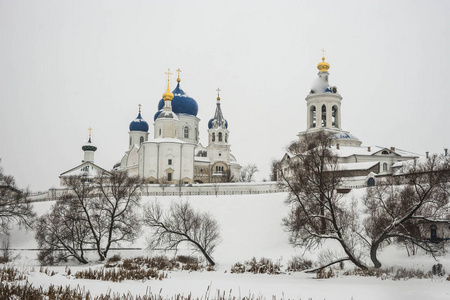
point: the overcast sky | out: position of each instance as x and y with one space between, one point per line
66 66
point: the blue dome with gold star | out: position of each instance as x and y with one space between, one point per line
181 103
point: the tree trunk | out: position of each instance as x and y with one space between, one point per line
373 254
205 254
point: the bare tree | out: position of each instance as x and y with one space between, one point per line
63 233
273 170
318 212
182 224
96 213
113 218
15 208
247 173
397 207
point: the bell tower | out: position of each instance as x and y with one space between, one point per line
323 106
218 136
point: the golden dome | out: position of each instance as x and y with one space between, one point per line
168 94
323 66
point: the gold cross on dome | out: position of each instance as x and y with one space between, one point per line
168 74
323 54
178 70
218 91
90 129
139 108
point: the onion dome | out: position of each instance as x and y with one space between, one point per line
211 123
181 102
139 124
323 66
89 146
167 95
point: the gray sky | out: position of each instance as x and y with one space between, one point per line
69 65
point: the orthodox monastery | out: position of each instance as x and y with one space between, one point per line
174 155
323 105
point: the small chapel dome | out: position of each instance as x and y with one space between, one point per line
181 103
139 124
89 146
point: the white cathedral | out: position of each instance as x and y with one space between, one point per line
174 155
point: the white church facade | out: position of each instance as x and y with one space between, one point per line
323 105
174 155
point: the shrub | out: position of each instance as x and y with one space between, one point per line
394 274
263 266
114 258
298 264
438 270
140 268
403 273
325 273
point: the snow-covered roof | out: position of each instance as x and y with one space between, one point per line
202 159
167 140
345 151
357 166
85 169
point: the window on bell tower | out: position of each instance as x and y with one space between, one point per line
213 138
312 117
324 116
186 132
141 139
220 136
334 116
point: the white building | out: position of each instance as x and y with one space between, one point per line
324 114
175 155
88 169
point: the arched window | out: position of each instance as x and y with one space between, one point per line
334 116
226 137
384 167
141 139
324 116
371 182
186 132
385 152
312 112
160 132
130 140
213 137
169 176
220 136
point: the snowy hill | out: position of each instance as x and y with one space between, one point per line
250 227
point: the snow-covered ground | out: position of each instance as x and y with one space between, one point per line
250 227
